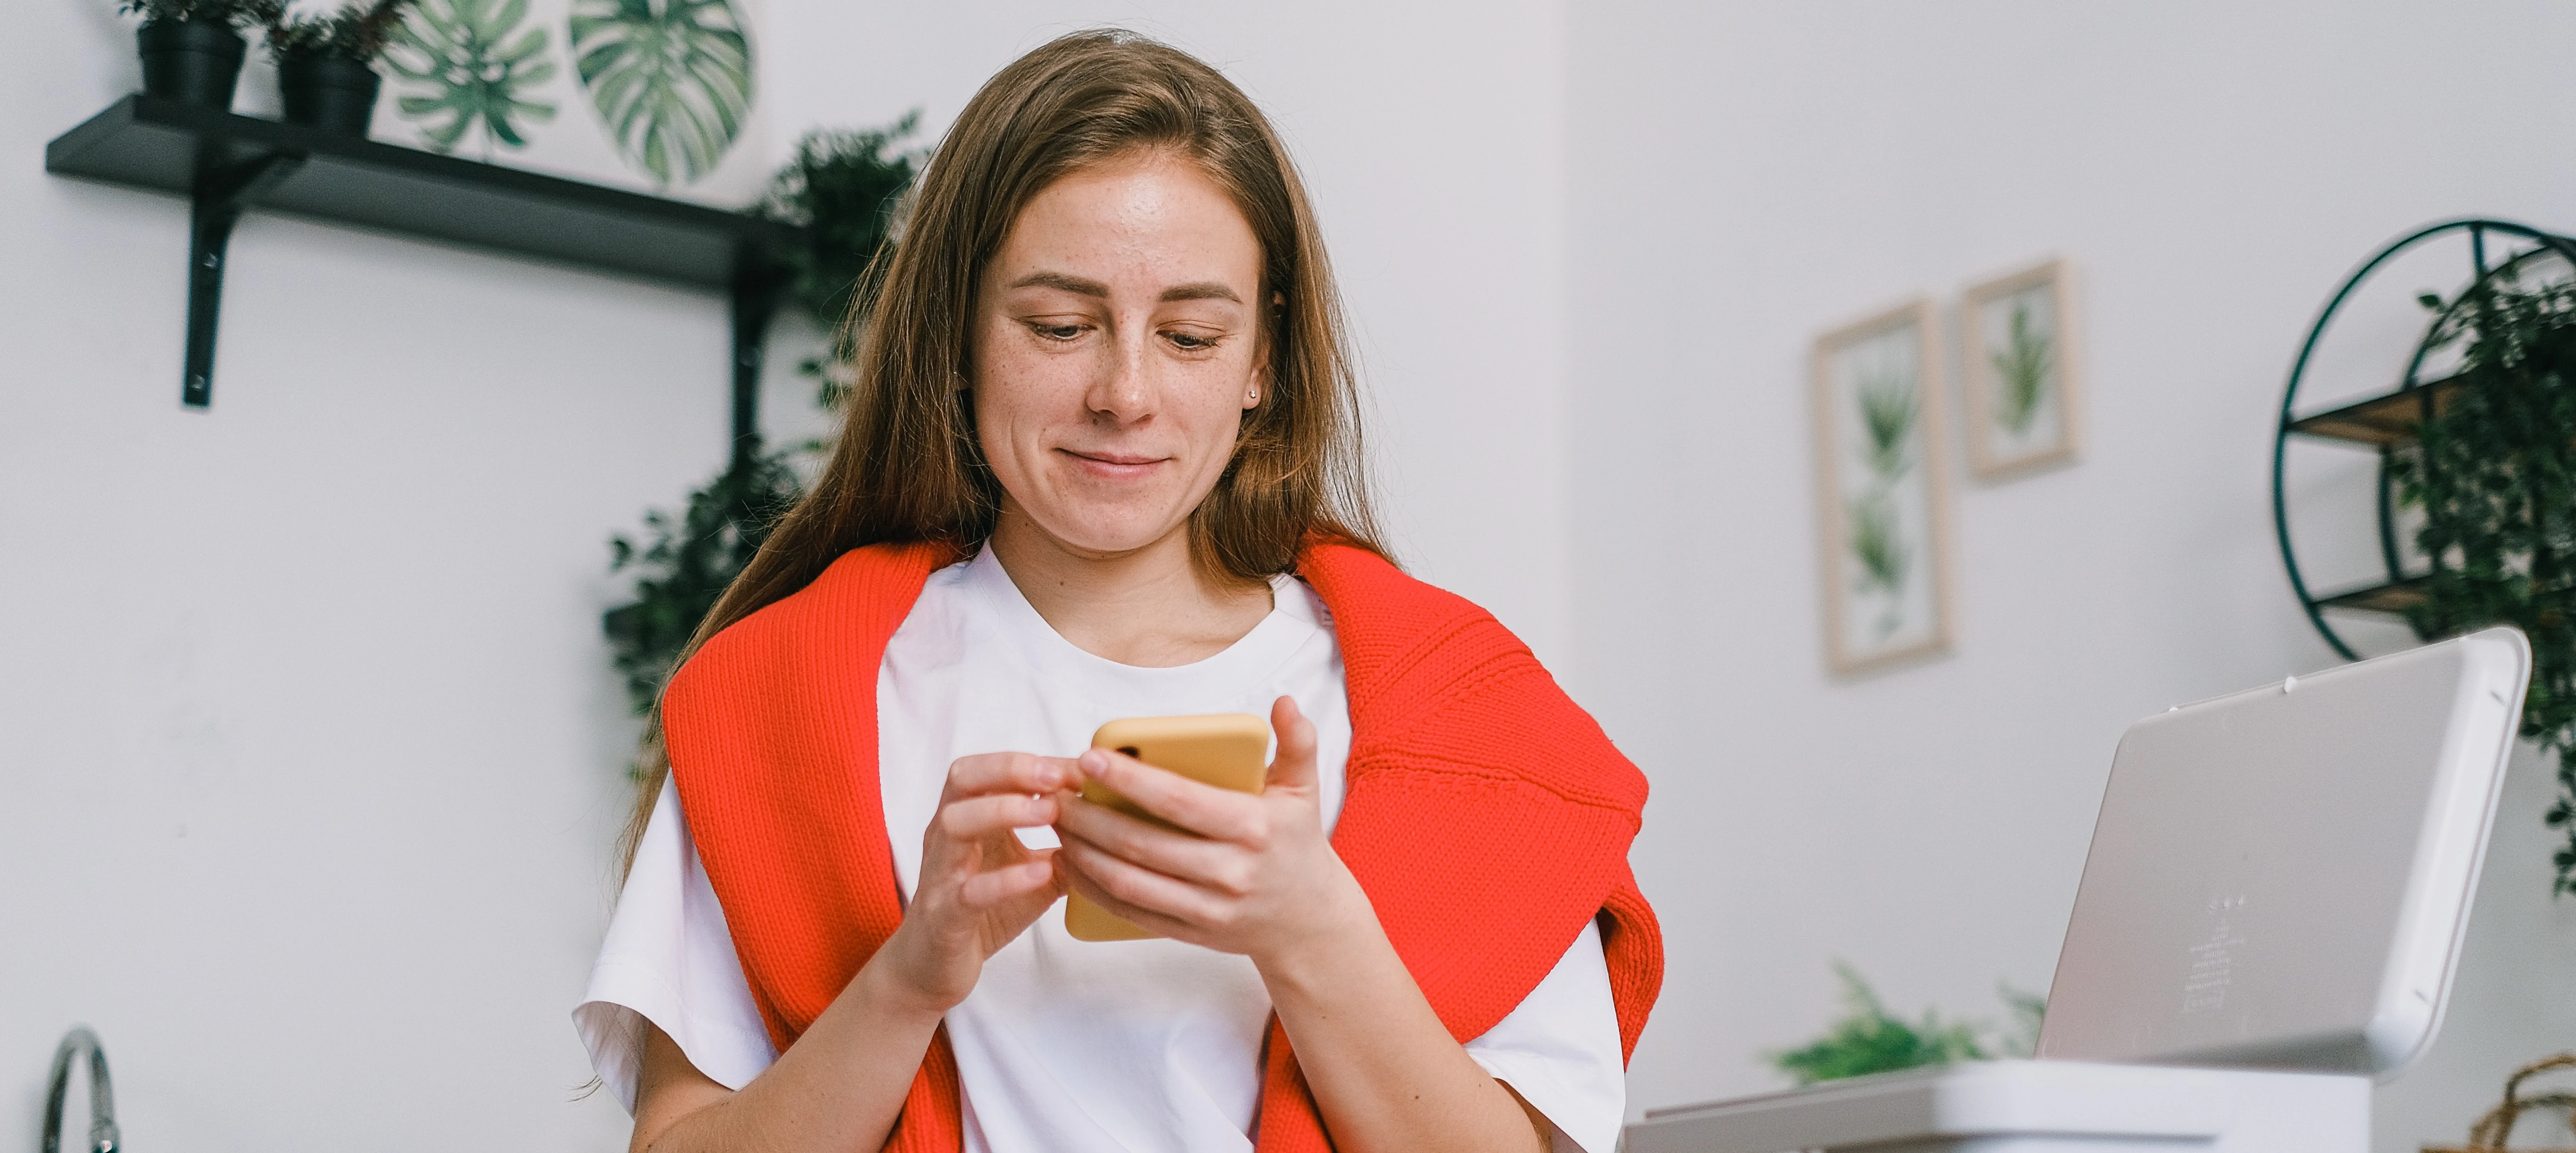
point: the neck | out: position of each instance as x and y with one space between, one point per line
1152 606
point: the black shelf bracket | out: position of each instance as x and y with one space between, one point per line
758 285
221 194
226 165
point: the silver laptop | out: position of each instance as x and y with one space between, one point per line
2280 878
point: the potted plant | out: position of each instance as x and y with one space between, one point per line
2494 473
326 75
192 49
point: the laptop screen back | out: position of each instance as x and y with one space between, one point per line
2280 878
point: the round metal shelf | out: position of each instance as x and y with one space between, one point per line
2383 422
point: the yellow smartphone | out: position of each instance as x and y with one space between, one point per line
1220 749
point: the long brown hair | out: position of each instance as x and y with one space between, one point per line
908 467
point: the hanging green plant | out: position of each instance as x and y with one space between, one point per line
684 564
671 79
1868 1040
842 188
2494 471
467 61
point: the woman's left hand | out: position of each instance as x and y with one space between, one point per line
1258 879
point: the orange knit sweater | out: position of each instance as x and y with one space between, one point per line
1487 816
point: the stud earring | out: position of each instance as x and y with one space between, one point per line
1252 397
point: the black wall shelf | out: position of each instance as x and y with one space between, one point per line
227 164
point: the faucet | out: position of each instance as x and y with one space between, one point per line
102 1099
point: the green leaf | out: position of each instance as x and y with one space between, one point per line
465 71
685 563
1867 1040
2022 368
842 188
672 79
1887 408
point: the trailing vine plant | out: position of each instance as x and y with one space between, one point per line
2494 471
685 564
842 187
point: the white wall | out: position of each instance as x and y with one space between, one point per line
1751 175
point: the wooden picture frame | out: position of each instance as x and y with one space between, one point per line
2021 365
1882 489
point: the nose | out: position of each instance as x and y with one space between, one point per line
1123 390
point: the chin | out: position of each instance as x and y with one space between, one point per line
1112 533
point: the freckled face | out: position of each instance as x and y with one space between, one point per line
1115 351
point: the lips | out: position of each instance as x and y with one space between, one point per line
1113 465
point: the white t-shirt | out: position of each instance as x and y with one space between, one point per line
1067 1046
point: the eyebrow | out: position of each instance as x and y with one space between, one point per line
1201 290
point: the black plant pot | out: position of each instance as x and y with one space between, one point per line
332 93
192 60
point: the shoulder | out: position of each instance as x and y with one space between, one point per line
1436 682
851 608
1385 617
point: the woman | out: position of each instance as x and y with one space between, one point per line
1101 461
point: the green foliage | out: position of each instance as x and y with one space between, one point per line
1867 1040
842 186
2495 473
475 67
2030 1011
234 14
686 564
671 78
1878 545
2023 369
1887 410
357 32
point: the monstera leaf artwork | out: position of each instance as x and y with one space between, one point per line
463 64
671 79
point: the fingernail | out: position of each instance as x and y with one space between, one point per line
1095 760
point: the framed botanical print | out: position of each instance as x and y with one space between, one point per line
1882 497
2018 339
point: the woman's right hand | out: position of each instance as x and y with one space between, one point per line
842 1085
979 888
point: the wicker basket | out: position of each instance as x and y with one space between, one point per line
2493 1130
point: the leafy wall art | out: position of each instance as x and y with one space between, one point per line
2020 366
1881 494
655 95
